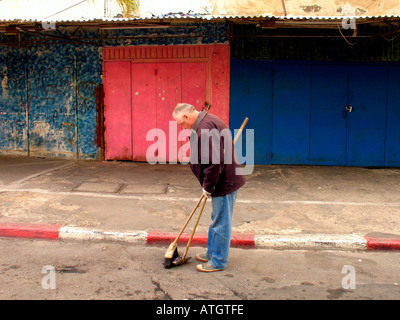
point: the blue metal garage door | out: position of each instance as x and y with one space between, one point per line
251 96
392 154
328 121
366 134
321 113
291 113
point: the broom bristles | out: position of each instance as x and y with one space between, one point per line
170 255
170 251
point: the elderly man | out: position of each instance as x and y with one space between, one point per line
219 179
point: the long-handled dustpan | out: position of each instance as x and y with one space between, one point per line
181 260
172 253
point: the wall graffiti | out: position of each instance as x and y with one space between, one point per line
87 94
68 132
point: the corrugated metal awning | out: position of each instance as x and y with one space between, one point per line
188 17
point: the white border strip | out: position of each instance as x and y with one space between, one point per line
275 242
311 241
82 234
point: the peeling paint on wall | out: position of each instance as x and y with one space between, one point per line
13 130
51 91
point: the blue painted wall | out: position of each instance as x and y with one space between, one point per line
49 90
13 126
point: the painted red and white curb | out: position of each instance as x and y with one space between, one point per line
249 241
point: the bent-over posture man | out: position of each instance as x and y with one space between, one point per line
216 169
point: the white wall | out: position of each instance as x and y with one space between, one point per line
50 9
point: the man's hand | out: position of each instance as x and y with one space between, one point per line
207 194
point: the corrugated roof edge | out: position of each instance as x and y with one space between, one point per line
199 16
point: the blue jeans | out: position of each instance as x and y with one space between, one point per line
219 232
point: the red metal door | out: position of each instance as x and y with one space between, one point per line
117 111
156 89
194 85
142 90
169 93
144 113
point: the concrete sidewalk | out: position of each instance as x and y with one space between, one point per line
285 206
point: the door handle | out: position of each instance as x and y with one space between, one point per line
349 108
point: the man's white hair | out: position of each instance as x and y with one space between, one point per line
182 108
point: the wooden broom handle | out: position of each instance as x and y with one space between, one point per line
188 219
240 130
194 230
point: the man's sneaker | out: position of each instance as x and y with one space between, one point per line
201 257
207 267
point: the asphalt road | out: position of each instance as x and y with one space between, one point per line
35 269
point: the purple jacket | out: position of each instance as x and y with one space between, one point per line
217 169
